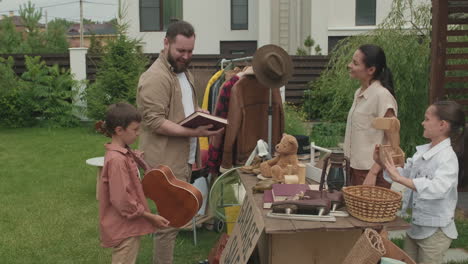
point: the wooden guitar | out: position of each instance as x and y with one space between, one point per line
177 201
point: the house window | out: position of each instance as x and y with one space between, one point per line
333 41
238 47
365 12
156 15
239 14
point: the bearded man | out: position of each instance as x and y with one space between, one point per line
165 96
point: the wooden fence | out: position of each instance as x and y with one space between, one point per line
306 69
62 60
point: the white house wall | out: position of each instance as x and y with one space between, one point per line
211 20
283 22
152 42
342 17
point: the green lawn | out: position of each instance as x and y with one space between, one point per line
48 211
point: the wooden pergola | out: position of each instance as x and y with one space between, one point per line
449 51
449 59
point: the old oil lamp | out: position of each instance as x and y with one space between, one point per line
337 166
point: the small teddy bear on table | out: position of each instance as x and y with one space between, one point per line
277 167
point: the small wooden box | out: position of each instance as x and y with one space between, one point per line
397 155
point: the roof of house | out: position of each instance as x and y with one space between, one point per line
18 22
90 29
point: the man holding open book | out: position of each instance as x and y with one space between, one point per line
166 96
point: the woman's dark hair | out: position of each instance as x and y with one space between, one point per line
120 114
453 113
374 56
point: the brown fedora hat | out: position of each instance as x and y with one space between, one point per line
272 66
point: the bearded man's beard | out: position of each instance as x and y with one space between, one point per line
178 67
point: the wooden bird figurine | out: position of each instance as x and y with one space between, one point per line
391 127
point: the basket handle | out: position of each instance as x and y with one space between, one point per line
324 171
348 171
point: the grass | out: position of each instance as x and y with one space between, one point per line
48 211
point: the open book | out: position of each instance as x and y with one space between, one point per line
202 119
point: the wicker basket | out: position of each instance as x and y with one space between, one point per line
371 203
368 249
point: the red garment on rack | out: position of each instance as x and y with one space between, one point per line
215 150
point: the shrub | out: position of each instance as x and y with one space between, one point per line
328 135
117 76
295 118
15 107
51 92
42 95
407 50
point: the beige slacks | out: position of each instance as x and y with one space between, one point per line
127 251
430 250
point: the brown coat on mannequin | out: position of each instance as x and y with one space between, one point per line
248 120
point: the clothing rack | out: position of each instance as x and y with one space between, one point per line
270 108
223 61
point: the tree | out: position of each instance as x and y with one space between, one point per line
118 73
55 37
87 21
112 21
62 22
30 17
95 46
34 39
10 39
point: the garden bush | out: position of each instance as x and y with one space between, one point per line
15 108
324 134
295 120
328 135
51 92
41 96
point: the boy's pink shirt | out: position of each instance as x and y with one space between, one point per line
121 198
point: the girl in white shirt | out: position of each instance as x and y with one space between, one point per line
431 177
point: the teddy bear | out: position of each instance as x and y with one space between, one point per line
277 167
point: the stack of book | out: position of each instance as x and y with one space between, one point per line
281 192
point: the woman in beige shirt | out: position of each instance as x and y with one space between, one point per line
375 98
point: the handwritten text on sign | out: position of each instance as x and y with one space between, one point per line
249 227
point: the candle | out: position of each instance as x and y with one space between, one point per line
291 179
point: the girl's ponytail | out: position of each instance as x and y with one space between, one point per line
452 112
